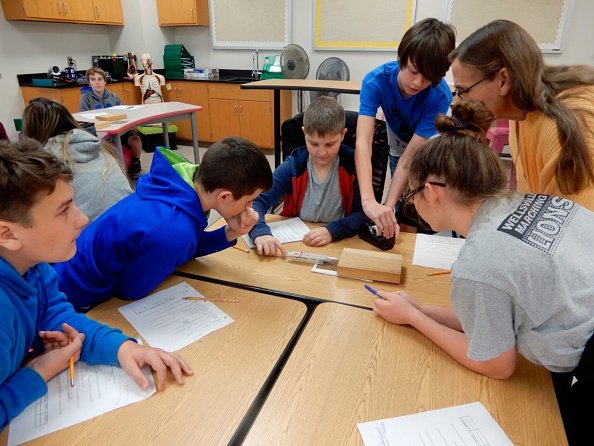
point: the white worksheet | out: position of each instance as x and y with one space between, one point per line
98 389
468 425
165 320
291 230
93 115
436 251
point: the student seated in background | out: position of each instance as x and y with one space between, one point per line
99 181
317 183
551 108
39 223
411 91
100 97
137 243
523 280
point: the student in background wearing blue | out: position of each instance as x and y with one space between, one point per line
523 280
97 96
39 223
136 244
411 92
317 183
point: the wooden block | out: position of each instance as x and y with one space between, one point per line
100 125
372 265
112 117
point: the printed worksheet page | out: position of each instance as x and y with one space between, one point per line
436 251
165 320
98 389
468 424
291 230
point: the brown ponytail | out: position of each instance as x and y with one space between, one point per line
460 155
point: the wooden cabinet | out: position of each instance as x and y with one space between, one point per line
75 11
195 93
108 12
245 113
70 97
183 12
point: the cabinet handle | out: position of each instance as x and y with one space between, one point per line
97 9
65 7
240 108
235 108
192 11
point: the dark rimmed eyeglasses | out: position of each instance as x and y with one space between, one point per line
408 206
459 93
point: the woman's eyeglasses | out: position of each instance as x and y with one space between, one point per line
408 205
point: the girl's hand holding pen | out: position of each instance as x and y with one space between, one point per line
398 307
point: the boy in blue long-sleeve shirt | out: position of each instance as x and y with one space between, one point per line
137 243
317 183
39 223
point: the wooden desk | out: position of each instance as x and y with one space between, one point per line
350 366
148 114
272 273
300 85
230 367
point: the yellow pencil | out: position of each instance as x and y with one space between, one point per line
247 251
439 273
206 299
71 367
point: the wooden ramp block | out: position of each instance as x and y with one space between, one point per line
100 125
363 264
112 117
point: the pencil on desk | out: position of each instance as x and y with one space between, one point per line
439 273
206 299
71 367
247 251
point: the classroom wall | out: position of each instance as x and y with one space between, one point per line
28 47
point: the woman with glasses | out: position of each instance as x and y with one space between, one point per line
523 280
552 138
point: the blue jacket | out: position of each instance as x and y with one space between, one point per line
31 303
289 182
136 244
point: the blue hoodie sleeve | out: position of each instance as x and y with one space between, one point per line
349 225
18 390
101 342
281 185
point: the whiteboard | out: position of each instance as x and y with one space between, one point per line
256 24
544 19
376 25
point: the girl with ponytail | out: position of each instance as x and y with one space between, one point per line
523 280
551 108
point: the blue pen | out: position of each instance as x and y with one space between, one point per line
372 291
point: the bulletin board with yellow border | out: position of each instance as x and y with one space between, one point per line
349 25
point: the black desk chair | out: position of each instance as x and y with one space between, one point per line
292 137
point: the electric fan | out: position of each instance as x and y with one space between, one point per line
294 62
332 69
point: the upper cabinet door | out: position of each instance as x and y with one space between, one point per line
41 9
108 11
76 10
182 12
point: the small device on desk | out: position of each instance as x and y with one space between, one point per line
369 232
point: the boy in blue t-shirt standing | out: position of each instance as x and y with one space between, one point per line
411 92
40 331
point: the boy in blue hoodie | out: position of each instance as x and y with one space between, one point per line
137 243
317 183
39 329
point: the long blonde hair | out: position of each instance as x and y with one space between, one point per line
537 87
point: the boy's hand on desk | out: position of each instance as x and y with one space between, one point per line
133 357
241 224
56 339
268 245
52 362
382 216
317 237
397 308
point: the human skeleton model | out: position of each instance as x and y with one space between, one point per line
149 82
